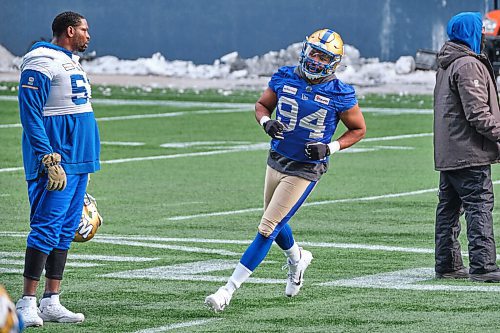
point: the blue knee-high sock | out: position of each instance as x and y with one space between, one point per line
285 238
256 252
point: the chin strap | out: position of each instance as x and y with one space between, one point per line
303 75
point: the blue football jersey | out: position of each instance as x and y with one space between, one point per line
310 113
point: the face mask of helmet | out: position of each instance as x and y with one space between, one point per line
321 54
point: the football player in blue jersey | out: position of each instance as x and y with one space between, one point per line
309 102
60 147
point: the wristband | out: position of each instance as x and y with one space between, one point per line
264 120
334 146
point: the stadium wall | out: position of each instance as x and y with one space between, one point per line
204 30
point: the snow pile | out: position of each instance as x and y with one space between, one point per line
7 60
229 66
156 65
372 72
405 65
353 69
268 63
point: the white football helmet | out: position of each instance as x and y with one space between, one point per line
9 321
91 220
326 45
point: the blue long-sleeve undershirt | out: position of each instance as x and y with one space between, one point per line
34 89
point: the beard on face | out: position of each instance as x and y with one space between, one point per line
82 48
483 42
81 44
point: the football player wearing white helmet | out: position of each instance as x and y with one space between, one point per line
10 322
60 148
89 223
309 101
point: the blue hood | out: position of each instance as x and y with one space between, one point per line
467 28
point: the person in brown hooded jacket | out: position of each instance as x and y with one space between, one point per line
466 143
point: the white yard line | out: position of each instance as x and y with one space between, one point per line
10 125
6 270
170 114
258 146
166 247
178 325
15 262
251 147
202 153
122 143
233 149
355 150
202 143
159 239
96 257
224 213
156 115
384 248
190 271
317 203
8 98
246 242
394 147
231 108
152 115
187 104
180 104
397 137
408 279
396 111
85 257
124 239
11 169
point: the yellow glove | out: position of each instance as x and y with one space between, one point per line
55 172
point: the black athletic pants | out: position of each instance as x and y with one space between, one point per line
472 189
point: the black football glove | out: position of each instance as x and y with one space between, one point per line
274 128
317 151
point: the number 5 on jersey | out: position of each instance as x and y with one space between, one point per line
79 89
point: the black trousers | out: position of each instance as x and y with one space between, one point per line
470 189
